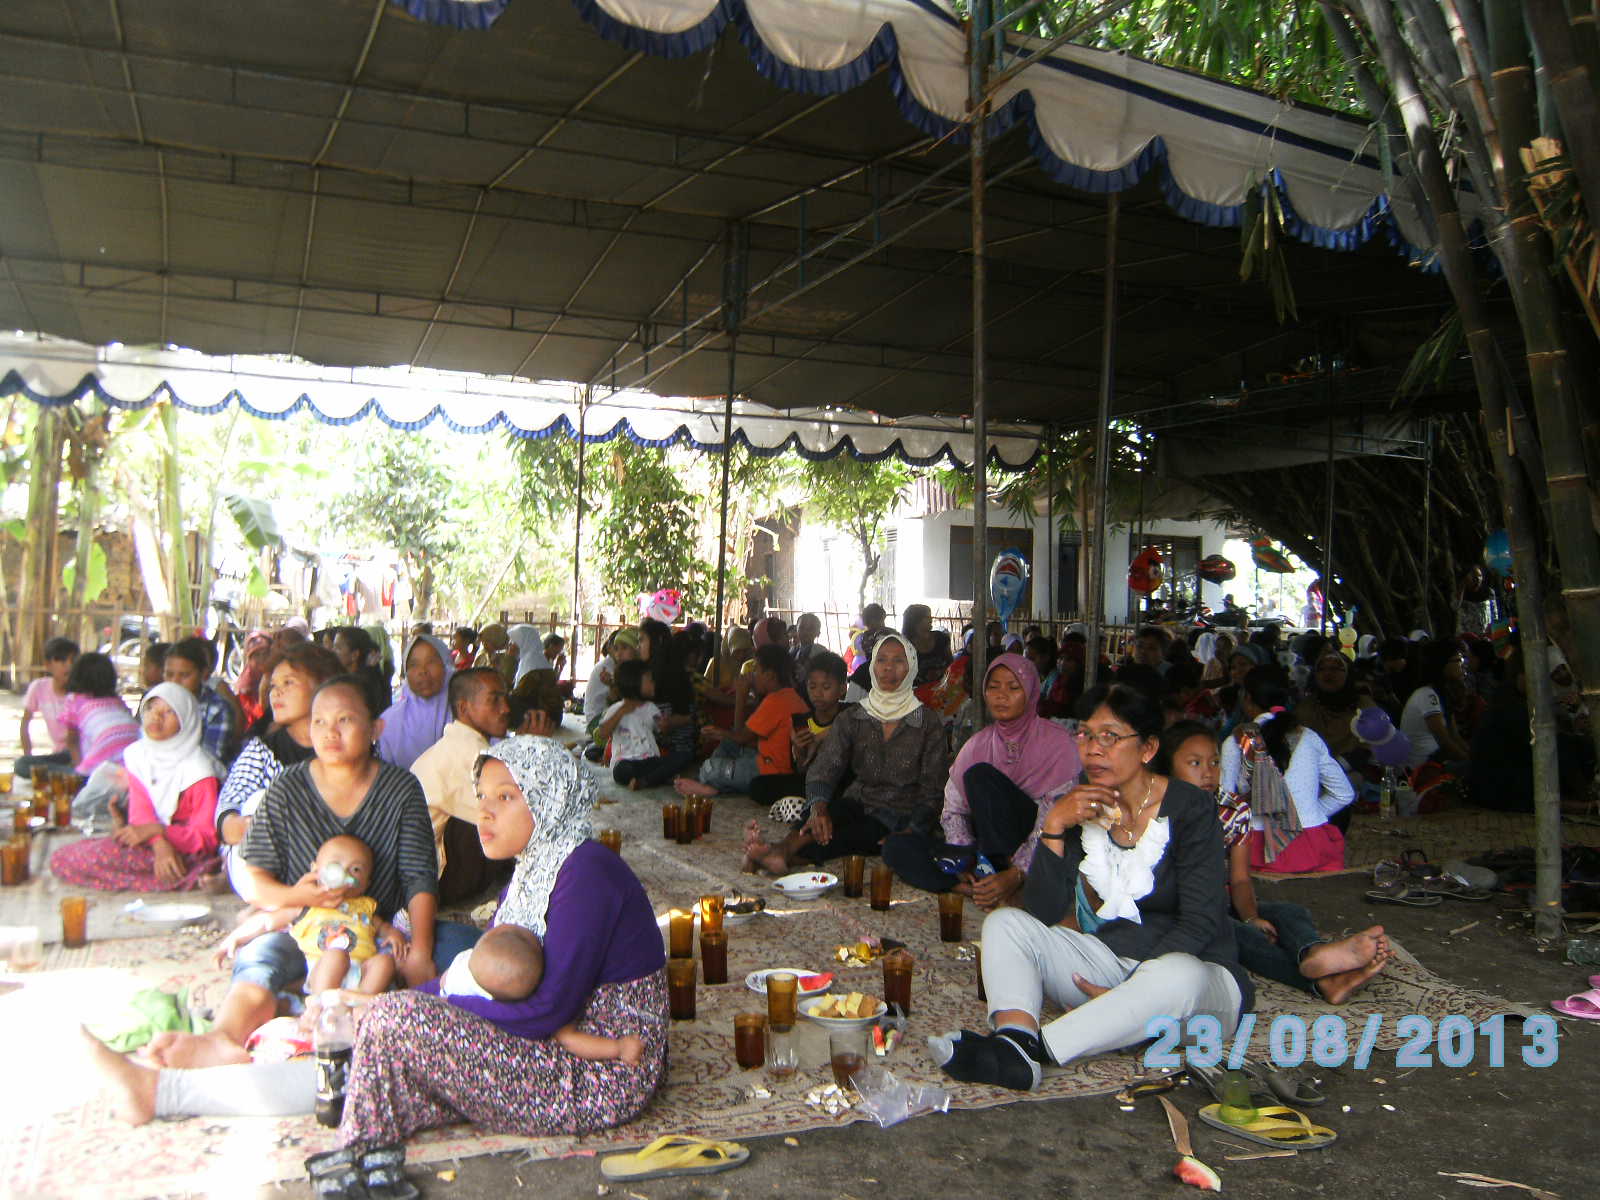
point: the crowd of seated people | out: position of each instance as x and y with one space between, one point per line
1108 830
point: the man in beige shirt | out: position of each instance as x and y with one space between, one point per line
480 710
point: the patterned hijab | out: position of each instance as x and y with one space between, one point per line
561 797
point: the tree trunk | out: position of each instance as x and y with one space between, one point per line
37 589
178 583
1459 273
88 514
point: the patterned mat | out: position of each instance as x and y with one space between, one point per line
57 1144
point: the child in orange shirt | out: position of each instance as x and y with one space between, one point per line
762 743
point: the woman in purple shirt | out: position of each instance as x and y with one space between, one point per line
422 1060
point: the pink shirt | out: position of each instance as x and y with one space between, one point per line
192 829
50 704
105 728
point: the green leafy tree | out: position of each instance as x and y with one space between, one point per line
857 497
402 498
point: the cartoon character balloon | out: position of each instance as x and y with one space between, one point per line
1497 551
1008 579
1268 557
1144 572
1390 747
665 606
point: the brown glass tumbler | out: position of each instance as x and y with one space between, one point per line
783 989
749 1040
882 887
711 909
14 862
680 934
689 824
897 981
74 921
950 916
714 955
671 815
855 869
680 988
611 839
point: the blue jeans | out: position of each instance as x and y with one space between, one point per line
59 763
731 767
1280 960
274 961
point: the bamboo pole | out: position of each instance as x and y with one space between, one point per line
1573 90
1459 272
177 547
36 591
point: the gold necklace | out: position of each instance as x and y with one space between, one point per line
1127 827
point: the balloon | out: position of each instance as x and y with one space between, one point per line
1390 747
665 606
1144 572
1497 551
1267 557
1215 569
1008 578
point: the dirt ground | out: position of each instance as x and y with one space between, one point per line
1398 1130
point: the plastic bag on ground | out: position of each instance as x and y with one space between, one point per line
888 1101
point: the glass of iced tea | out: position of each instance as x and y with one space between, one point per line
680 988
749 1040
714 955
847 1054
783 988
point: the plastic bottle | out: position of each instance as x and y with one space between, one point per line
1386 796
332 1041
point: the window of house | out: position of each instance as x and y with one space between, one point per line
1179 557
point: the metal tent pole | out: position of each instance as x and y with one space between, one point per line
1327 531
1102 441
733 294
1052 554
577 534
978 106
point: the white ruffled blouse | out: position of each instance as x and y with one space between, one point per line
1122 875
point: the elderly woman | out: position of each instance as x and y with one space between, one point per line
1293 781
1005 779
422 1060
343 790
293 676
893 746
414 722
1124 914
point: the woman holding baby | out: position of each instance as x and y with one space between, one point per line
585 1049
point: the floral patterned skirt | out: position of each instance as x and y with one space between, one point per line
421 1062
106 865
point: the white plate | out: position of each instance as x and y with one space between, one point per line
806 885
171 915
731 919
842 1022
756 981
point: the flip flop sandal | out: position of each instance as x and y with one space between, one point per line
1449 885
1270 1128
1288 1086
1583 1005
1399 893
672 1155
1147 1087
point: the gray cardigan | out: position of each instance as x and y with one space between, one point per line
1186 912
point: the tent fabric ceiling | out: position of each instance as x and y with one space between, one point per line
339 181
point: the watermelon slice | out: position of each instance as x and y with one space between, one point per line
812 983
1196 1174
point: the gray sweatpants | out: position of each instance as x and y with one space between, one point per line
247 1090
1026 962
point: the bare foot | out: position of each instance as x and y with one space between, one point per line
1347 954
189 1050
633 785
693 787
132 1087
1336 989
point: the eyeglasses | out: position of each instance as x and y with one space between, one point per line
1105 739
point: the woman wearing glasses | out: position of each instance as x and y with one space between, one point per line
1124 914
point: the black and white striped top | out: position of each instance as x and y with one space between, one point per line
293 822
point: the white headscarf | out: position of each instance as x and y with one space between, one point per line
902 702
169 768
561 797
530 651
1205 647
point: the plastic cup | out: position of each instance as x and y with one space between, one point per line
882 887
749 1040
714 955
847 1054
855 869
783 989
74 921
680 988
26 952
671 814
711 909
950 916
897 981
680 934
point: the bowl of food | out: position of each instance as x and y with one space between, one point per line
166 916
736 910
852 1011
806 885
811 984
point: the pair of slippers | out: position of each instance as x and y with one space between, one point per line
350 1174
673 1155
1583 1005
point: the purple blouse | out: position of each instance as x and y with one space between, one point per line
599 929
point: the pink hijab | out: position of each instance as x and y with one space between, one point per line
1037 755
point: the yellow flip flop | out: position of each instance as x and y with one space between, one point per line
1276 1126
675 1154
